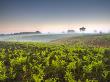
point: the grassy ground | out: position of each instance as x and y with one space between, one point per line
88 40
79 59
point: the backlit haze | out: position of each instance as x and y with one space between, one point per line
54 15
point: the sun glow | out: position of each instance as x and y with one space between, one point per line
56 28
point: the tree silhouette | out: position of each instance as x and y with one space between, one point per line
82 29
95 31
100 32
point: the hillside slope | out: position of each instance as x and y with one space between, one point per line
88 40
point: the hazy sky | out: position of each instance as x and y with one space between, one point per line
54 15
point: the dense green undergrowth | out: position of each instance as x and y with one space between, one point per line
40 62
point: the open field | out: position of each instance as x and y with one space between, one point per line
35 37
88 40
54 40
63 60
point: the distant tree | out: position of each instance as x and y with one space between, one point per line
71 31
48 32
100 32
63 32
2 34
95 31
82 29
38 32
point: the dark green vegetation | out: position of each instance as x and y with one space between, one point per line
46 62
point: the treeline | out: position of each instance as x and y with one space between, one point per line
37 32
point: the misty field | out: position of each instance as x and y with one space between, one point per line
71 59
96 40
35 37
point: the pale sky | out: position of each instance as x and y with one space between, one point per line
54 15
